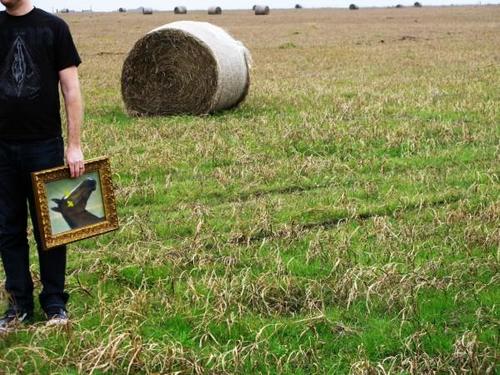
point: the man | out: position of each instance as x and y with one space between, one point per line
37 54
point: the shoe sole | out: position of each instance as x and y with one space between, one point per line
18 322
57 323
5 331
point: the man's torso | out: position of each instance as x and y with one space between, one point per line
29 66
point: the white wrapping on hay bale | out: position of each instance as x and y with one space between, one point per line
214 10
180 10
185 67
261 10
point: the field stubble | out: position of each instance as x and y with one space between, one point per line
343 219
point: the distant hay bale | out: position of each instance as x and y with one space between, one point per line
261 10
399 6
122 10
353 7
298 6
417 5
185 67
214 10
180 10
147 10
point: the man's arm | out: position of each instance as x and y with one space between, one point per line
70 87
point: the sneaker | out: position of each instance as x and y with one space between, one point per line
57 317
12 318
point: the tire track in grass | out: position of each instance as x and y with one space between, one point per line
343 217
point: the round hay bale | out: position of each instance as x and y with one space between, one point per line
147 10
122 10
417 5
261 10
298 6
353 7
185 67
180 10
214 10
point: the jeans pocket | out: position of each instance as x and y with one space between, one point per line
44 155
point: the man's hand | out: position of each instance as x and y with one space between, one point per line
74 158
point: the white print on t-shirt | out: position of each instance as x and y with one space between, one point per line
19 76
19 66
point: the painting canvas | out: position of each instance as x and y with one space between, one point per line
71 209
75 203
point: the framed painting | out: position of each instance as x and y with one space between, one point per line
72 209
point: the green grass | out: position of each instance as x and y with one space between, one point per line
344 219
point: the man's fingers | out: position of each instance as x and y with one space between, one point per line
74 158
72 170
76 169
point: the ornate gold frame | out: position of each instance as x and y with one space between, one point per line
110 222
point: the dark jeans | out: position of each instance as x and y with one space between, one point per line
17 161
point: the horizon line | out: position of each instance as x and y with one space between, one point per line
280 8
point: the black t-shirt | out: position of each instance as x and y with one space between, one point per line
33 49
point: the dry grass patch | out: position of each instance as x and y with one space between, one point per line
344 219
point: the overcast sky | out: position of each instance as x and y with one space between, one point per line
106 5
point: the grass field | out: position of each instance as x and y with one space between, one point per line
344 219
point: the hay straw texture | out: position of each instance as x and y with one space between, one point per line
180 10
214 10
261 10
185 67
